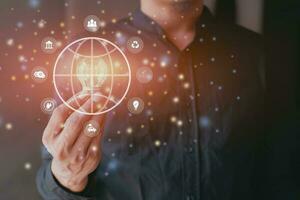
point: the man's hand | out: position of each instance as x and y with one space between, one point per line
75 154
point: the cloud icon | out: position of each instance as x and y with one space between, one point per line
39 74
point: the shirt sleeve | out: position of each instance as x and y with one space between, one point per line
49 188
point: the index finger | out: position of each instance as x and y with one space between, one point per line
75 123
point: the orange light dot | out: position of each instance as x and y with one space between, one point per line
150 93
173 119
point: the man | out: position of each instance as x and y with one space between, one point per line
199 135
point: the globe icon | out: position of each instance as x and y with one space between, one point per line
92 68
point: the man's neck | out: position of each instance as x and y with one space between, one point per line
177 19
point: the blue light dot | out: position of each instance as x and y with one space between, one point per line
204 122
34 3
112 165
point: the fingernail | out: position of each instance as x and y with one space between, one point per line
97 97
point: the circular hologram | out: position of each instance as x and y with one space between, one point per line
135 45
48 105
39 74
135 105
87 67
92 23
144 74
49 45
91 128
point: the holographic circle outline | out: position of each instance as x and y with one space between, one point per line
39 80
89 17
128 75
49 51
45 100
133 110
139 41
139 71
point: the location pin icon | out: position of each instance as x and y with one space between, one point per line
136 104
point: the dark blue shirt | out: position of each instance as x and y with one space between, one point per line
199 135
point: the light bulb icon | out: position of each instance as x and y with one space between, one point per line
91 73
136 104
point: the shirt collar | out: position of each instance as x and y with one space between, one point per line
145 23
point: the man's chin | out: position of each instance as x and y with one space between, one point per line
184 5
